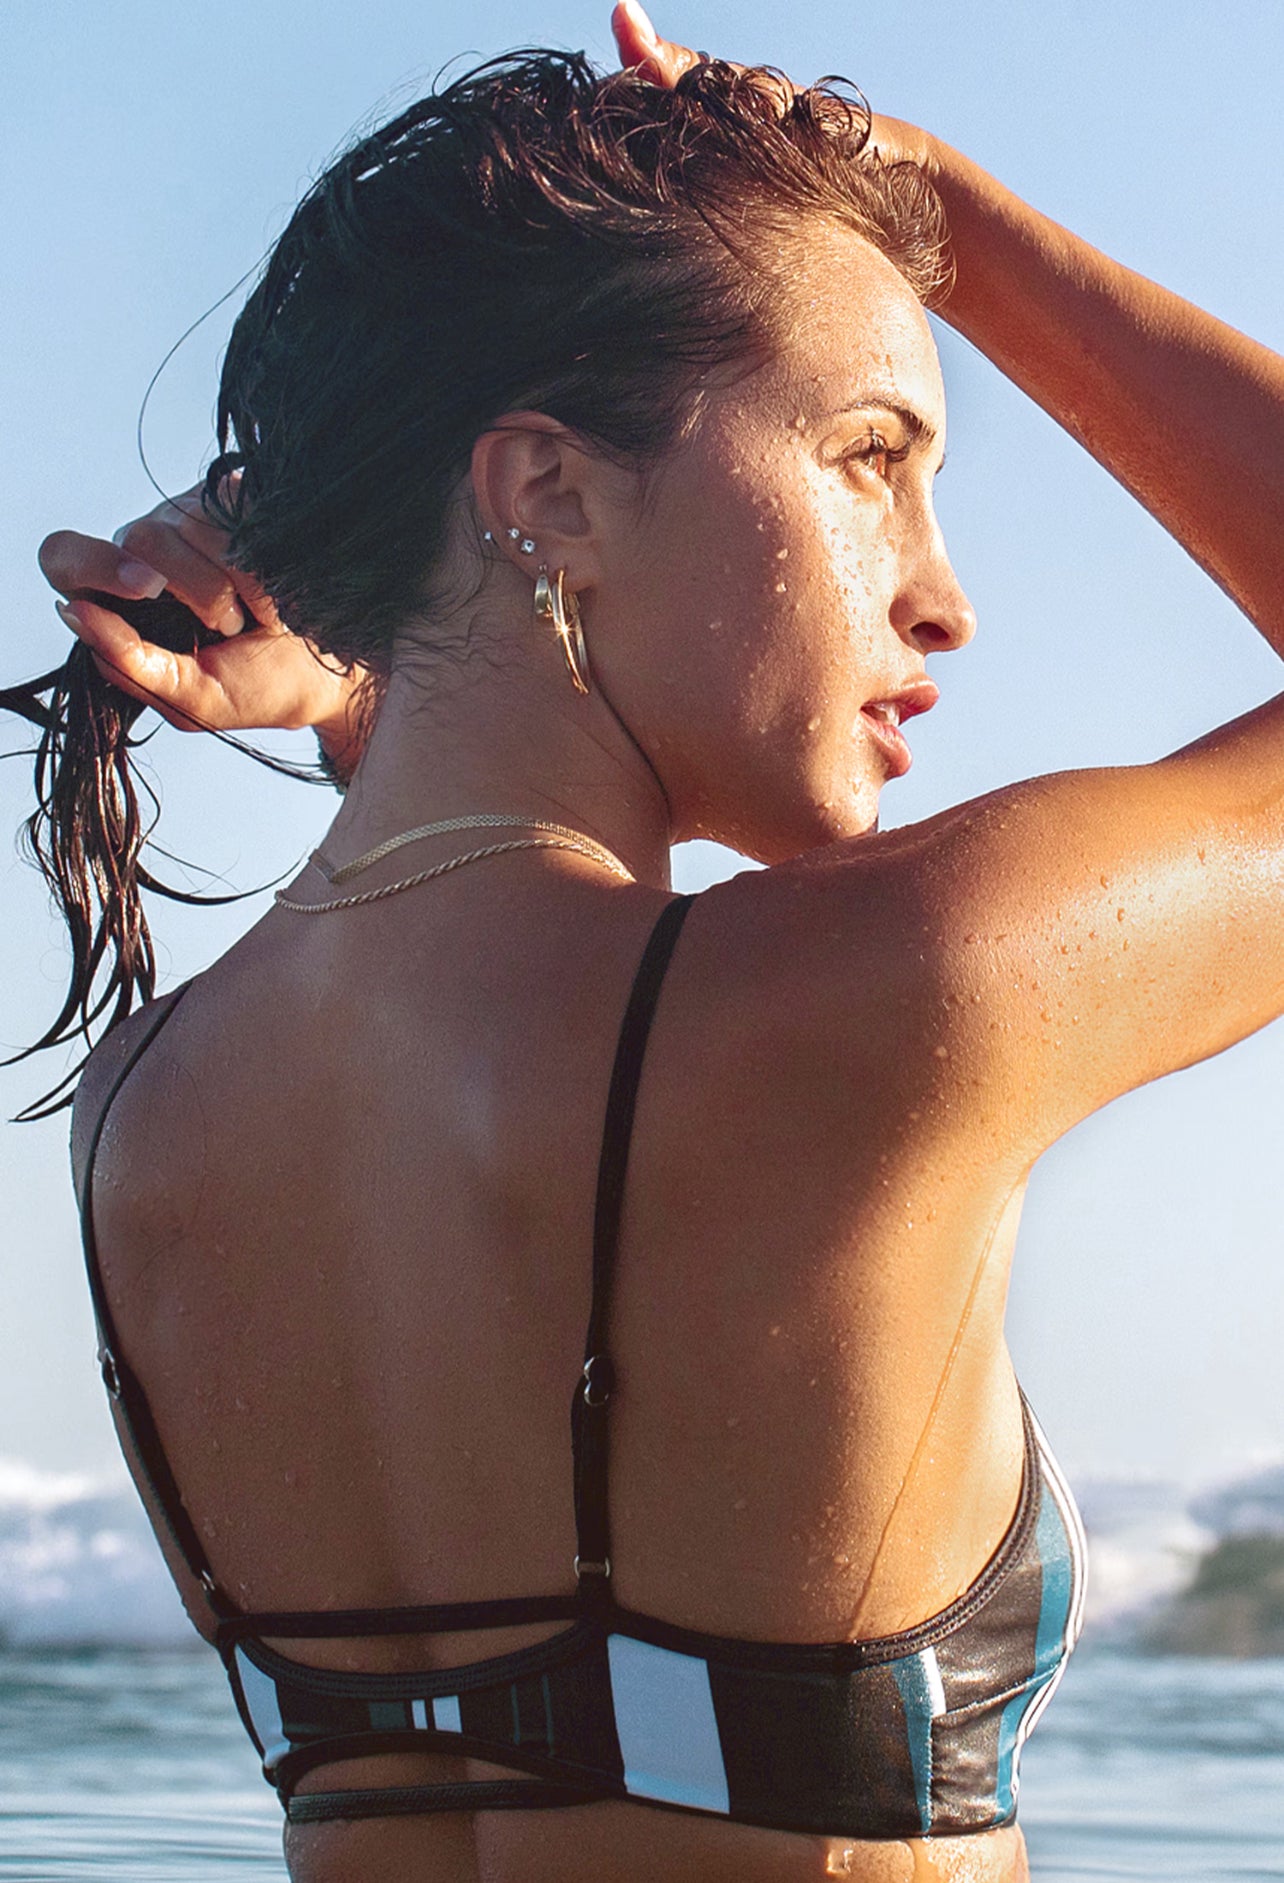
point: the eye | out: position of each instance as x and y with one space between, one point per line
873 453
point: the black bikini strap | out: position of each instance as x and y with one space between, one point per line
119 1378
589 1433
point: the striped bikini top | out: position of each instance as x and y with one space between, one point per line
914 1733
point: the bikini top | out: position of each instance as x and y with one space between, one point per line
916 1732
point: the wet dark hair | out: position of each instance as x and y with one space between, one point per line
530 236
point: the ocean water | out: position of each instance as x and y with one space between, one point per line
129 1766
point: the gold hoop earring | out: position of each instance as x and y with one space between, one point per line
557 604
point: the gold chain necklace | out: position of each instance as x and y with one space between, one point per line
559 838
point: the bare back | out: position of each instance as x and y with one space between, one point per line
345 1208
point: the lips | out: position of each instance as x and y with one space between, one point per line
883 718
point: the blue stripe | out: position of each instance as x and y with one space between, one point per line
264 1709
920 1702
1056 1562
667 1728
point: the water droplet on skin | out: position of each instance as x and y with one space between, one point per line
773 1331
840 1561
800 423
782 588
782 555
971 936
733 1420
1045 1015
289 1477
1105 882
813 724
914 1116
240 1404
940 1052
740 1503
1119 915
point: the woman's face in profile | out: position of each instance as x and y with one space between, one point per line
787 578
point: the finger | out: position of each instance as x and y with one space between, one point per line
69 561
641 48
178 549
188 515
150 674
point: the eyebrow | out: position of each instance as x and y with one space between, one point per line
917 428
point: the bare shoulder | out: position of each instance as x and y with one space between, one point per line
1011 965
112 1061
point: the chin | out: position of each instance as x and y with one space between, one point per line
816 813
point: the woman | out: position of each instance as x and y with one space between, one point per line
339 1399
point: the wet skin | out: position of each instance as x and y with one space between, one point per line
860 1053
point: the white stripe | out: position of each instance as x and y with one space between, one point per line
935 1685
1063 1498
419 1712
445 1714
264 1709
667 1727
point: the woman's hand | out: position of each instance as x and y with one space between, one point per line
256 675
641 48
664 62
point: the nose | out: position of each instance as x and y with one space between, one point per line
932 612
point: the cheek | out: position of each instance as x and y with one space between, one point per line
732 586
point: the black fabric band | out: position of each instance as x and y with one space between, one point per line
493 1794
327 1624
591 1401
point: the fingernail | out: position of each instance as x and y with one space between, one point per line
141 579
229 620
69 618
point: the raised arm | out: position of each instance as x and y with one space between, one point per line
1040 951
248 672
1185 411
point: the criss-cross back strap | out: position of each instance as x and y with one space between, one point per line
593 1389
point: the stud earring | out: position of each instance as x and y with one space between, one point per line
513 532
488 536
557 605
527 546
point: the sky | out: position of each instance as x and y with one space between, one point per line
151 153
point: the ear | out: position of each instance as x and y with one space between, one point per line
535 481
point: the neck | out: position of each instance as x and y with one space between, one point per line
480 734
